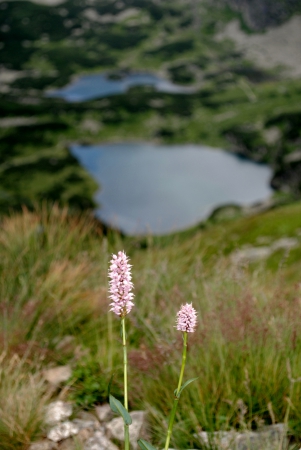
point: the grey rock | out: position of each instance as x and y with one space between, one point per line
99 442
104 412
260 207
57 412
250 255
272 135
91 125
254 254
84 434
293 157
43 445
277 46
137 428
8 122
85 415
260 14
57 375
93 425
62 431
68 444
285 244
272 437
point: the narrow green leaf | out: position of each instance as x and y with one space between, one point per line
118 408
186 384
144 445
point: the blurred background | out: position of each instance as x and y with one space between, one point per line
148 75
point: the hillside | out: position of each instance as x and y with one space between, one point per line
53 289
239 105
262 14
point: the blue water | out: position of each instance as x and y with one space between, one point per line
89 87
146 188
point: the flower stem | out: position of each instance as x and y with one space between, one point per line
125 365
177 396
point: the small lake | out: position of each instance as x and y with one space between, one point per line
148 188
89 87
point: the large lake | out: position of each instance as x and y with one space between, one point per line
145 188
89 87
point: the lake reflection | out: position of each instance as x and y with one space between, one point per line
159 189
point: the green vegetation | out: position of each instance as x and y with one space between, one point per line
237 106
89 385
53 285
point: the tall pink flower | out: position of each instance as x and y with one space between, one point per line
186 318
120 285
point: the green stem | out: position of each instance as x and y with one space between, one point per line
177 397
125 366
110 341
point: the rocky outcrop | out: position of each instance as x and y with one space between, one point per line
268 438
88 431
261 14
254 254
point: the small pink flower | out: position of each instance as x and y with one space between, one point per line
120 285
186 318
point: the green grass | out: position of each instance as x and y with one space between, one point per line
53 284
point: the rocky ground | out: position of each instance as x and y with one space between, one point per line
277 47
261 14
66 427
98 430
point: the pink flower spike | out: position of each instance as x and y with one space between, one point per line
186 318
120 285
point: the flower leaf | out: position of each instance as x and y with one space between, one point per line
144 445
185 385
118 408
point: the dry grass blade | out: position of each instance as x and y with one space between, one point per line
23 398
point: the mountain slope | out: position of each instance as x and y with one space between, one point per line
262 14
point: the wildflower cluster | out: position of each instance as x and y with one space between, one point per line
121 296
186 318
121 285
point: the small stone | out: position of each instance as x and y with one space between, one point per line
285 244
99 442
57 411
91 125
293 157
250 255
272 135
86 424
57 375
84 435
104 412
68 444
137 428
62 431
85 415
43 445
267 438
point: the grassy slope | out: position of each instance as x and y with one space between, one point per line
53 284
